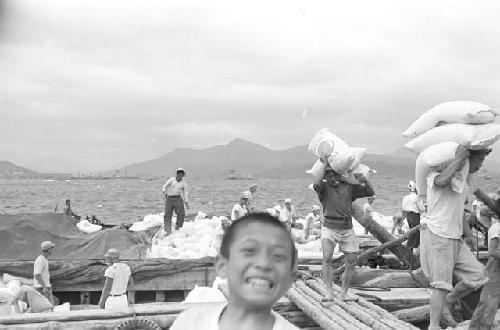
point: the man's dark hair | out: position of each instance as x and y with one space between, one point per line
67 201
482 152
257 217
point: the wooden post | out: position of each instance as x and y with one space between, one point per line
160 296
85 297
131 296
404 254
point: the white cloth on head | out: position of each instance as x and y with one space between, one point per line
410 203
116 302
445 209
41 267
120 273
238 211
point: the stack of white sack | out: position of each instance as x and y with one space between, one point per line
148 222
274 211
439 131
9 287
342 159
194 240
87 227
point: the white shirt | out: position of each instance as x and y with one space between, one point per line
238 211
286 215
120 273
410 203
445 209
206 317
176 188
494 231
41 267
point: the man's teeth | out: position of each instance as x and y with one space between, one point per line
260 283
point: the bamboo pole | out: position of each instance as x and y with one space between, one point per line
377 312
414 315
334 307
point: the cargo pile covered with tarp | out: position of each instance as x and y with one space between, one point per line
21 235
71 272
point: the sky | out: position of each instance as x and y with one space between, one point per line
88 85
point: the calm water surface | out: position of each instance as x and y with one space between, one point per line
125 201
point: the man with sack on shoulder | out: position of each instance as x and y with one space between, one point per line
443 251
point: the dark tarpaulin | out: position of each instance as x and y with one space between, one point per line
21 235
65 272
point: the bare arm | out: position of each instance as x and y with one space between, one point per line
317 180
105 292
444 178
487 201
493 250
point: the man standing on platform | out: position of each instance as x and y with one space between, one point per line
41 276
337 196
176 196
443 252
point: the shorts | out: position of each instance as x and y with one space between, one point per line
344 237
442 258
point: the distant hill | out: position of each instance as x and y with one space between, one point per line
10 170
247 158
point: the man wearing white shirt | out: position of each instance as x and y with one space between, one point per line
41 276
287 214
176 196
119 280
240 209
411 213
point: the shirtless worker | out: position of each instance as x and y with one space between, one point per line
176 196
337 196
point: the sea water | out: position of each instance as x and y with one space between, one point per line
126 201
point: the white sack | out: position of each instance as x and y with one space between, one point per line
474 137
87 227
358 154
466 112
436 158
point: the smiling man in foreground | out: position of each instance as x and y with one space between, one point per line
258 258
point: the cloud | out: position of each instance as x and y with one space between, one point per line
89 84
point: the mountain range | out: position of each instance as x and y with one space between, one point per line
243 158
247 158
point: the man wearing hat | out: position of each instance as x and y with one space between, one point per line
311 221
336 195
175 193
252 190
41 275
411 213
119 280
240 208
287 214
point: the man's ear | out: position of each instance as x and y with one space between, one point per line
221 266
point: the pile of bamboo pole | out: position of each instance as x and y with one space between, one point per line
339 314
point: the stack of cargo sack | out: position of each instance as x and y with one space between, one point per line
438 132
343 159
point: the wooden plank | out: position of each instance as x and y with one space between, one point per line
177 281
396 298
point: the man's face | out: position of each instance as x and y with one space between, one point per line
259 267
244 201
288 206
476 162
49 251
332 178
253 190
179 176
